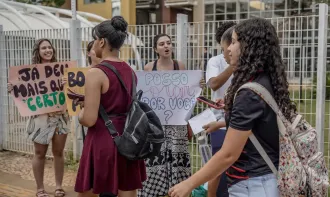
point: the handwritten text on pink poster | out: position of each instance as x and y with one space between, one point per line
37 88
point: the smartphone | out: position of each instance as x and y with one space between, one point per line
73 96
209 102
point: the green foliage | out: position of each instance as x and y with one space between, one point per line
70 162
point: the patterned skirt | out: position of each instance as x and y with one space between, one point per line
41 128
170 167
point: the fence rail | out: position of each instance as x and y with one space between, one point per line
298 36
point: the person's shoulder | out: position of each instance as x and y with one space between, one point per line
216 60
181 65
214 64
95 74
149 66
264 80
95 70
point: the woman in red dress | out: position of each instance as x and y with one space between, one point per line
102 169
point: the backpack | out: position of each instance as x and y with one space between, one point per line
302 169
143 133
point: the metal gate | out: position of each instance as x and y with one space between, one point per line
304 51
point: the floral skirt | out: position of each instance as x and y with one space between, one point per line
41 128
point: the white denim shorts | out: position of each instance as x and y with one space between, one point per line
262 186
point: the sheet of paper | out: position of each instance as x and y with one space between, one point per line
196 123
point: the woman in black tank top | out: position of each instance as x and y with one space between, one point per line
175 65
173 164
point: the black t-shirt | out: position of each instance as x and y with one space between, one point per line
251 112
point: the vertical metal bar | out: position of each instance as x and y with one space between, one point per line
248 10
238 9
2 88
181 37
285 8
321 73
74 51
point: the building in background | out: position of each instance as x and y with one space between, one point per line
242 9
163 11
295 44
139 12
110 8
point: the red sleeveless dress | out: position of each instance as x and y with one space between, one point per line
101 167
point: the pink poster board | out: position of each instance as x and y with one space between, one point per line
37 88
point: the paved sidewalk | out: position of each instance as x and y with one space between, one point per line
14 186
17 180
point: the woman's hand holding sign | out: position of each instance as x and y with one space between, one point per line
214 126
202 83
78 102
64 80
10 87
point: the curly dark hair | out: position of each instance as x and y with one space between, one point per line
260 50
36 58
222 29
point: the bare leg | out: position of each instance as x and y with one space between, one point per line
58 144
212 187
87 194
132 193
38 164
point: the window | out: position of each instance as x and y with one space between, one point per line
93 1
220 8
115 8
209 9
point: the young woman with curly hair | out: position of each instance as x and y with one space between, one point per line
45 128
255 52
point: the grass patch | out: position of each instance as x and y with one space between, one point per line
70 163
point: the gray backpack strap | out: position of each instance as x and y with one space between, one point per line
268 98
265 95
263 153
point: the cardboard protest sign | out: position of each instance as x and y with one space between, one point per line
171 94
75 84
37 88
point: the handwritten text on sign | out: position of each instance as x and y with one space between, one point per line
171 94
37 88
76 83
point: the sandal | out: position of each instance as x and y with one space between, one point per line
59 193
42 193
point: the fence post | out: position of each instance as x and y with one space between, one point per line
3 83
181 38
75 52
321 73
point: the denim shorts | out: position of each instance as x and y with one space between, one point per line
262 186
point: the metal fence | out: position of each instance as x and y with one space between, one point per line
303 47
16 49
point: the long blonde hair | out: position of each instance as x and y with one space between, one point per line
36 59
